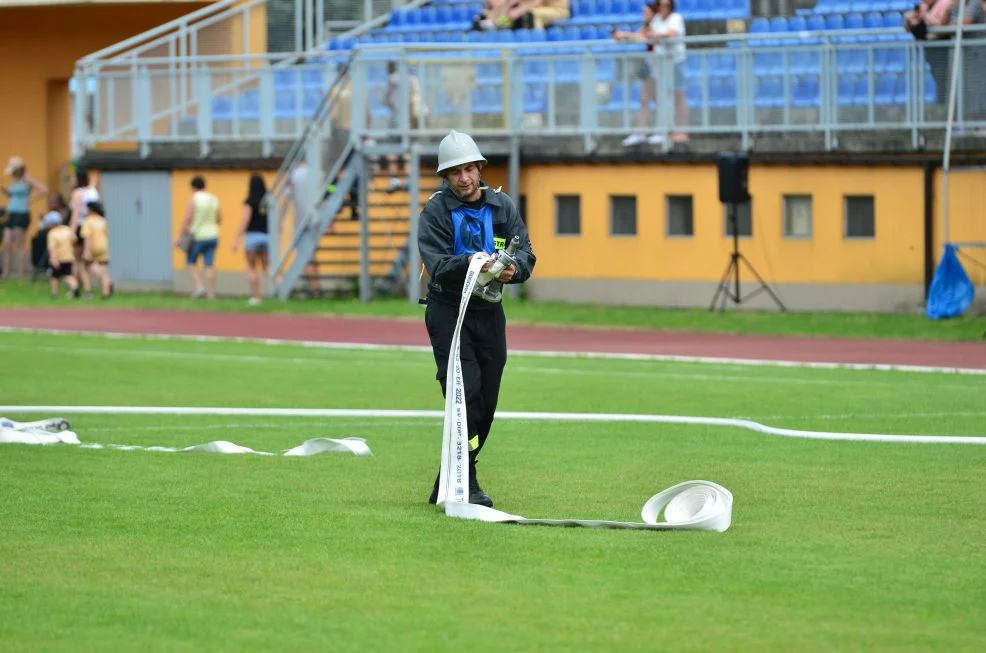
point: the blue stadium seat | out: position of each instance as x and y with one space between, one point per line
312 78
769 92
722 92
617 98
309 103
854 21
873 20
222 108
396 19
768 63
900 90
582 11
724 65
285 78
621 10
797 24
248 105
459 18
835 21
285 106
693 93
883 95
605 70
806 92
805 62
816 23
429 16
847 87
852 60
930 95
535 98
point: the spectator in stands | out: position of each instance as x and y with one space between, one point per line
199 237
85 191
524 14
933 13
20 190
254 229
661 22
96 251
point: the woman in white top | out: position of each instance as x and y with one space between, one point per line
661 22
199 234
85 191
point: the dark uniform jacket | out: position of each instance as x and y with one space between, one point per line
449 231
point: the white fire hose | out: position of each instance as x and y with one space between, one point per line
692 505
58 431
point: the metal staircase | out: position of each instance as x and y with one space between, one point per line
354 232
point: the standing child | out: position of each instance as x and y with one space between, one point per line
96 246
61 259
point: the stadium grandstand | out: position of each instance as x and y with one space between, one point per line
611 149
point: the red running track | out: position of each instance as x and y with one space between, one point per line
390 331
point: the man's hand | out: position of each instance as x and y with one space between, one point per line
486 266
507 274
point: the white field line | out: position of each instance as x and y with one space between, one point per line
506 415
884 367
362 422
528 368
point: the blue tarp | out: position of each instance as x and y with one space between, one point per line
951 291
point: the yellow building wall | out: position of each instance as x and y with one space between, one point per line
39 47
894 256
230 186
967 219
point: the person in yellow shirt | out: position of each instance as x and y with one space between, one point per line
96 246
61 259
201 229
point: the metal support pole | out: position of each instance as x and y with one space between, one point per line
365 289
413 255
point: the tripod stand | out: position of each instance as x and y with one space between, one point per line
732 273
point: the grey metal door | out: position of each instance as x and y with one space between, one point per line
138 209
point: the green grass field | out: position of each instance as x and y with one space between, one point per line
839 325
835 546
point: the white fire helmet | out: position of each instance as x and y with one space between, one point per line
457 149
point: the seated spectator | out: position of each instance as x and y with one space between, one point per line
523 14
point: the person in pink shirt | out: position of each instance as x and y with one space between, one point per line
933 13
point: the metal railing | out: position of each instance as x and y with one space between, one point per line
325 151
819 85
222 48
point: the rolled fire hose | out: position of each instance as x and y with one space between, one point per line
692 505
58 431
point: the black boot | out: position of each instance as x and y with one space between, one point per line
476 494
433 497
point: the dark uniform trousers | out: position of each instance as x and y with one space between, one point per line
483 352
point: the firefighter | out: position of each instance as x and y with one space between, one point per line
463 218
